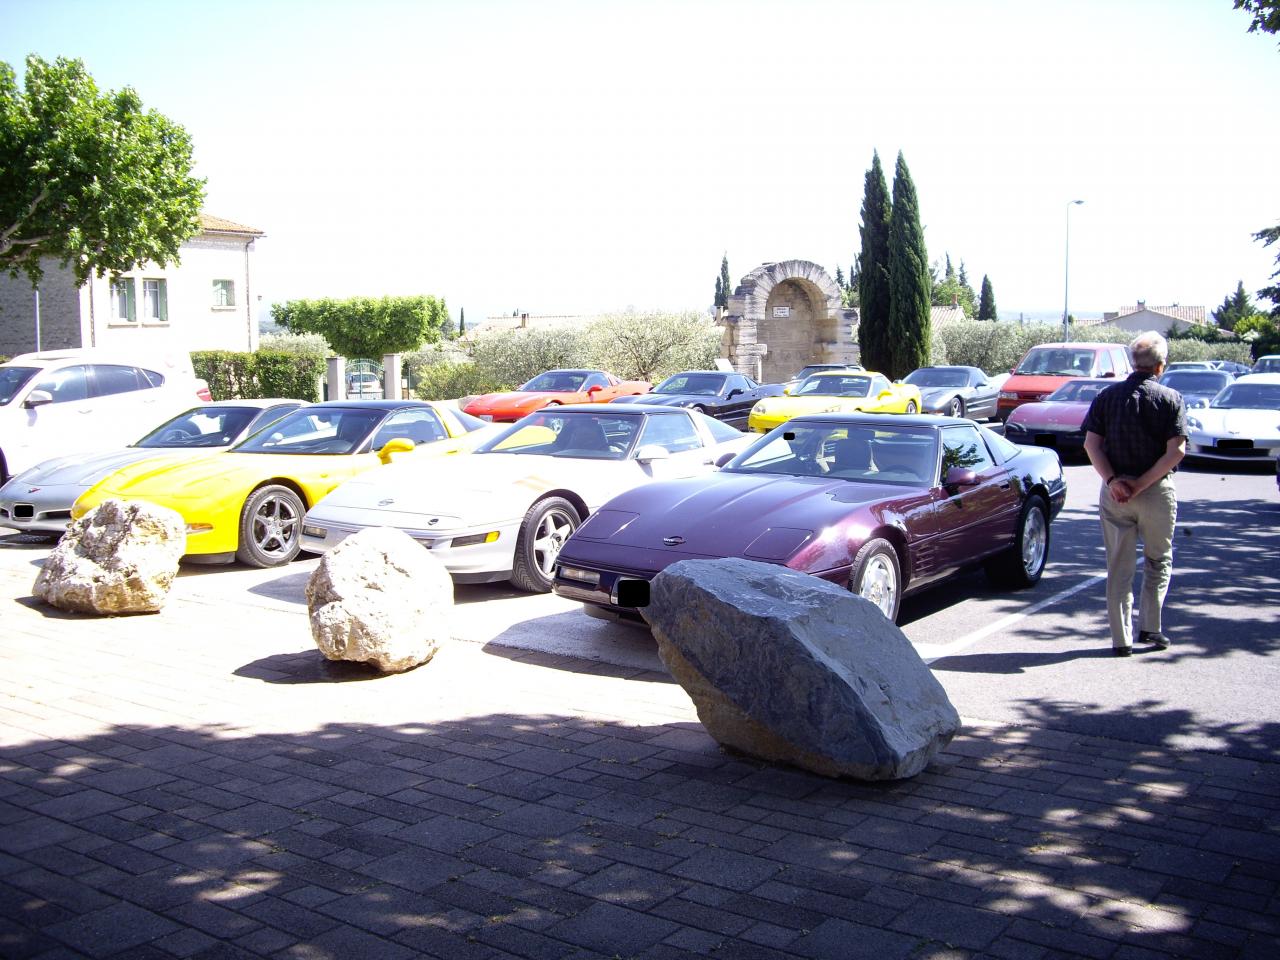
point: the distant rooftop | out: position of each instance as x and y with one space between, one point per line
212 224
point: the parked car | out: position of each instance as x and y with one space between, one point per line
1197 387
836 391
1231 367
364 386
1044 368
72 401
1268 364
1189 365
39 500
553 388
503 512
955 391
726 396
885 506
1242 423
1057 422
809 368
247 503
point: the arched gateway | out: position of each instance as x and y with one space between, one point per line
784 315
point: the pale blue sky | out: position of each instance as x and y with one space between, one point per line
573 157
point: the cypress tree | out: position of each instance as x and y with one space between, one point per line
462 321
987 305
725 284
840 285
719 293
909 325
872 270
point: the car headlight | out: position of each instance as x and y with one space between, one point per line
760 407
1194 423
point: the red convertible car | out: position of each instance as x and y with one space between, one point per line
550 389
882 505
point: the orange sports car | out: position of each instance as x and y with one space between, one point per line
551 389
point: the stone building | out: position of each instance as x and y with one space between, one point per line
203 302
783 316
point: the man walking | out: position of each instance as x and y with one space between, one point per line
1135 436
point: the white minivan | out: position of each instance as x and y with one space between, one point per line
57 402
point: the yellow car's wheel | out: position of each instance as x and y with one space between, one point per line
911 406
270 527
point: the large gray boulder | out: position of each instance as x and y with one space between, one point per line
380 598
120 557
791 668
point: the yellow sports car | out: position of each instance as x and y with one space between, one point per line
836 391
247 502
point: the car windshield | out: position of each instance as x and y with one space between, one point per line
1195 381
844 451
332 430
12 379
833 385
1056 362
696 384
557 381
938 378
1078 391
1249 396
201 427
1267 365
576 435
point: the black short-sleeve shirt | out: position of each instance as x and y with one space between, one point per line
1136 419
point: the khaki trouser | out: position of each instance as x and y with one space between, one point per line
1150 515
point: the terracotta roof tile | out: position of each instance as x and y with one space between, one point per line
211 224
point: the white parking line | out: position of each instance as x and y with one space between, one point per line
930 652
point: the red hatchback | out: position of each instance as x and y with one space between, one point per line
1048 366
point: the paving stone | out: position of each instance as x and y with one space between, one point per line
726 868
121 926
613 930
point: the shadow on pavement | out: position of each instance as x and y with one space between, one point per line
557 836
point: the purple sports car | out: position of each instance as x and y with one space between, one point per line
1057 421
883 505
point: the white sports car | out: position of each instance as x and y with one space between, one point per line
1242 423
503 512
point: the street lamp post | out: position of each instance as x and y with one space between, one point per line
1066 271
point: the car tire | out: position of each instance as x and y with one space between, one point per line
543 532
698 408
4 470
911 407
270 527
956 408
877 577
1023 563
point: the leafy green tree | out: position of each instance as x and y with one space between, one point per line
650 346
850 297
1266 14
1268 236
725 285
909 325
1235 308
966 291
987 306
1262 333
873 270
89 179
367 326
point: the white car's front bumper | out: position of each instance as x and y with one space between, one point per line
486 561
1234 449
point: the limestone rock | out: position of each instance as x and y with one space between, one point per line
120 557
791 668
380 598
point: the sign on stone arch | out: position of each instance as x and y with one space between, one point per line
785 315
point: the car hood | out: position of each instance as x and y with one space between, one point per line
670 399
516 398
1025 383
465 489
934 394
1050 413
86 469
1236 422
760 517
799 406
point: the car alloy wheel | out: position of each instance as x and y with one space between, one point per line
543 532
1035 542
1022 564
911 406
877 577
269 526
957 407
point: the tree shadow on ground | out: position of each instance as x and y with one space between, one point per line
559 836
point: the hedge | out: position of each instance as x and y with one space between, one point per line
266 373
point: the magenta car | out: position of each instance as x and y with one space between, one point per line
1056 421
884 505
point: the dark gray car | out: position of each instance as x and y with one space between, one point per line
956 391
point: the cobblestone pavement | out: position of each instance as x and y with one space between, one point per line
200 783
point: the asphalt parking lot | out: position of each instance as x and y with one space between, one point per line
201 783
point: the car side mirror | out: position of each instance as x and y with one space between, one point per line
786 391
735 392
651 452
37 398
885 393
1109 373
724 458
960 477
395 445
594 389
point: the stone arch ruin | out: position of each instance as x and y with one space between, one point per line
783 316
